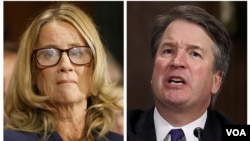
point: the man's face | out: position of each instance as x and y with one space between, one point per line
183 70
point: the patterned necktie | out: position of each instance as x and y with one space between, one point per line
176 134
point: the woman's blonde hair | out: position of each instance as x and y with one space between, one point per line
28 111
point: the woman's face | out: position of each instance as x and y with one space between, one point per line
64 83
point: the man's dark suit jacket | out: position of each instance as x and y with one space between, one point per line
11 135
140 126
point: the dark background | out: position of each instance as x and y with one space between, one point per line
232 101
108 17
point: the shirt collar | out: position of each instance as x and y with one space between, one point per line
162 127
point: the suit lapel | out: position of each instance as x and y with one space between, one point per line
145 128
212 130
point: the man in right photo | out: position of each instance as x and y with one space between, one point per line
195 81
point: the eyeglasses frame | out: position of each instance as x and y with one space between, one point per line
34 52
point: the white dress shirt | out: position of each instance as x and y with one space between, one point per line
162 127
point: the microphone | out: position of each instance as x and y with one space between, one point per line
198 132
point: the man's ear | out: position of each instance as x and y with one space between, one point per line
217 80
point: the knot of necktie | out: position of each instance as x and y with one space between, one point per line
176 134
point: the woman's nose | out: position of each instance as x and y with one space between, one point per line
65 63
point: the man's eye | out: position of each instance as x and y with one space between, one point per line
168 51
195 54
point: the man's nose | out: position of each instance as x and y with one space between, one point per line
178 60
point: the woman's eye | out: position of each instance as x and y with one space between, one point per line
76 53
46 53
49 54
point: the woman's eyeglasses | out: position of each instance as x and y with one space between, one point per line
51 56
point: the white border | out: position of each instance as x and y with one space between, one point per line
124 71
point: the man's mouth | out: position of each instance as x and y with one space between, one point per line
176 81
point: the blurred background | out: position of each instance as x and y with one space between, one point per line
108 17
232 101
